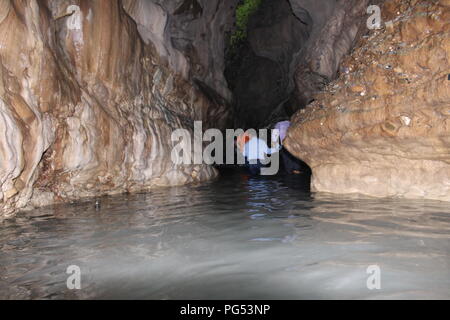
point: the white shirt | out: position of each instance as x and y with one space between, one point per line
258 149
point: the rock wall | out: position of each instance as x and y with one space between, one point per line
337 24
190 34
89 98
383 128
293 48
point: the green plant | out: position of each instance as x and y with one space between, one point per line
243 13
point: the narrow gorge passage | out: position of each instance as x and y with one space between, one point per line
225 149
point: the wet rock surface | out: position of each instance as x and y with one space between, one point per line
88 101
383 128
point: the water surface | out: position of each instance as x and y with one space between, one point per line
234 238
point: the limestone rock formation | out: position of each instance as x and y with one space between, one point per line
333 36
190 34
89 98
292 50
383 128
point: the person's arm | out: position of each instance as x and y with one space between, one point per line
272 150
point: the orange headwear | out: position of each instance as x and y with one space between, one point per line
242 140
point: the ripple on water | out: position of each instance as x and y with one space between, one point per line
237 237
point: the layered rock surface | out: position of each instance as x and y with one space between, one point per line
383 128
333 36
89 98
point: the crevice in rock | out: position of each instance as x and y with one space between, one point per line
260 71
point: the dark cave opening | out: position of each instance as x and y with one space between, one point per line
260 68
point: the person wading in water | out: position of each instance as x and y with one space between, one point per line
255 151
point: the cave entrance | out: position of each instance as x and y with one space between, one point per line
261 57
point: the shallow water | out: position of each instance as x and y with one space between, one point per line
235 238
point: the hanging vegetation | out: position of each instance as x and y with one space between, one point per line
243 13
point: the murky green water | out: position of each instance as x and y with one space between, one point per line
235 238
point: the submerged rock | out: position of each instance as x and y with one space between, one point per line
89 98
393 140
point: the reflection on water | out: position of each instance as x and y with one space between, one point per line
238 237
